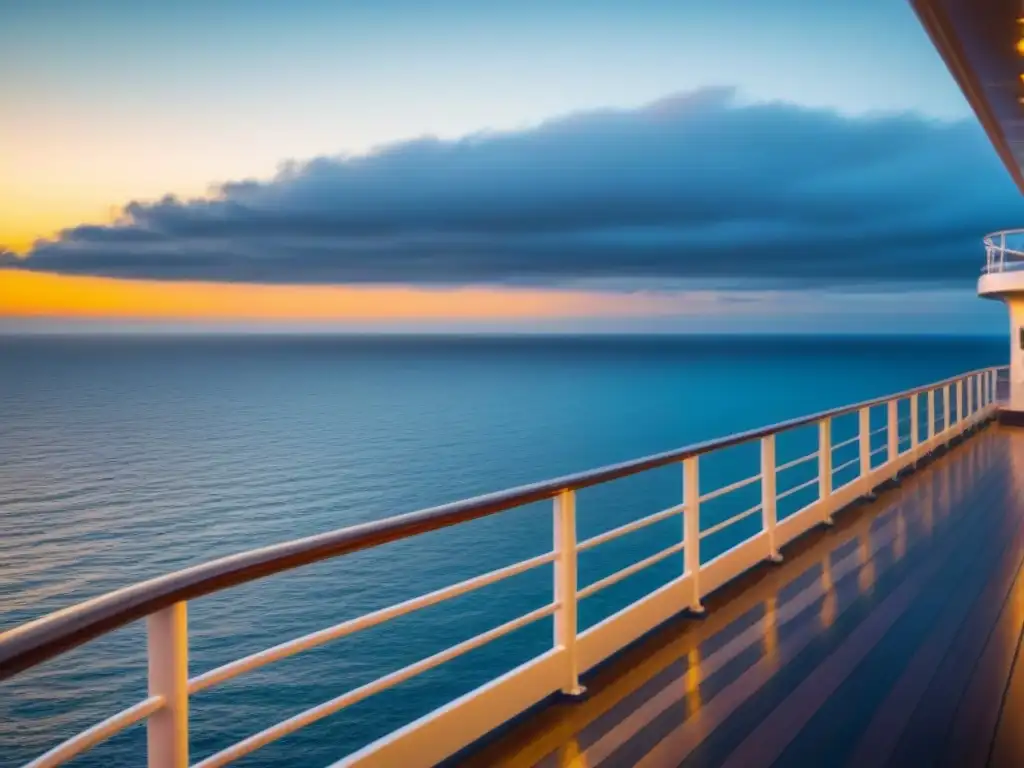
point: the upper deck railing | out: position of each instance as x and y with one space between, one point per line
1004 251
937 413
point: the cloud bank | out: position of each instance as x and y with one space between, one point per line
697 190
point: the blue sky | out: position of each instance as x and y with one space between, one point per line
110 103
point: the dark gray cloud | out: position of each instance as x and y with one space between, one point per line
8 258
695 189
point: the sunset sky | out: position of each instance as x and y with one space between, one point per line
677 165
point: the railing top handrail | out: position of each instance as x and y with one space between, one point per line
996 241
989 238
37 641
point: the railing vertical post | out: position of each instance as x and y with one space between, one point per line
969 385
945 409
979 393
931 414
864 443
167 728
893 430
959 400
915 426
825 468
565 588
995 384
691 529
768 499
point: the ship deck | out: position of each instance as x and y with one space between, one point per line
892 638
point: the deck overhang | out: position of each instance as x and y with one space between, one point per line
979 43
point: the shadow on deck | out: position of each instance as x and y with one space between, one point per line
890 639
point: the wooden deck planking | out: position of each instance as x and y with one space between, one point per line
892 639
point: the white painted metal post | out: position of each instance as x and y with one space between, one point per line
995 384
959 400
915 425
931 414
825 468
864 433
979 392
167 728
969 386
565 588
945 408
691 528
768 499
893 430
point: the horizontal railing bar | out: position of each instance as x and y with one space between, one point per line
636 525
879 431
845 464
730 488
321 711
845 443
100 732
879 449
794 489
618 576
794 462
726 523
313 639
36 641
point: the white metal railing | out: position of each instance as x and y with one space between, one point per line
965 401
1004 251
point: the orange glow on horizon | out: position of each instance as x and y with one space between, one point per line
26 294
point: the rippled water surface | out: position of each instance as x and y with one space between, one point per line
123 458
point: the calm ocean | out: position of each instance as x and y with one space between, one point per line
123 458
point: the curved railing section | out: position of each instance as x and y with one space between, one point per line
936 414
1004 251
